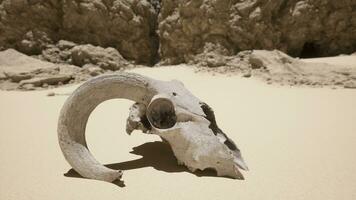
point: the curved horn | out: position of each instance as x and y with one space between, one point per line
76 110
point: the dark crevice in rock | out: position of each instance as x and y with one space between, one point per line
60 17
310 50
155 41
156 5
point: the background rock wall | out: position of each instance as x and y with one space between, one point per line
127 25
174 31
299 28
29 25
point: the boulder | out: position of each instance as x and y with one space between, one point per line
2 76
50 80
59 53
17 76
108 58
65 45
93 70
69 69
19 71
17 66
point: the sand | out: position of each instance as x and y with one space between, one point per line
342 60
299 143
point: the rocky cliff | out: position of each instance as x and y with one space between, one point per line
174 31
127 25
299 28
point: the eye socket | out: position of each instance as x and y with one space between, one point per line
161 113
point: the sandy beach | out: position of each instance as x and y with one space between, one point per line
298 142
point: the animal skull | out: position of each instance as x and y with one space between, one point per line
166 109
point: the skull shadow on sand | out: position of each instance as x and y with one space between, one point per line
158 155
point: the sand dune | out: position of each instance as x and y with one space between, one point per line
299 143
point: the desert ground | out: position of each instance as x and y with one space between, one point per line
280 76
298 142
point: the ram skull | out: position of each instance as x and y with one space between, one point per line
164 108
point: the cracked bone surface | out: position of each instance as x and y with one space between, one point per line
164 108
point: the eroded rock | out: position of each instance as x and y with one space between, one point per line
93 70
34 42
65 45
29 25
20 71
50 80
28 86
108 58
128 26
58 53
17 76
277 67
299 28
2 76
17 64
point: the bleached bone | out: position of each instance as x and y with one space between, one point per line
164 108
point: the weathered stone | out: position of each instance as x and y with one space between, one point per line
108 58
65 45
350 85
29 25
277 67
256 62
126 25
299 28
34 42
28 86
52 80
14 62
93 70
69 69
52 54
17 77
247 75
2 76
51 94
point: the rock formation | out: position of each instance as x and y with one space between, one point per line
181 29
299 28
128 25
108 35
277 67
21 72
